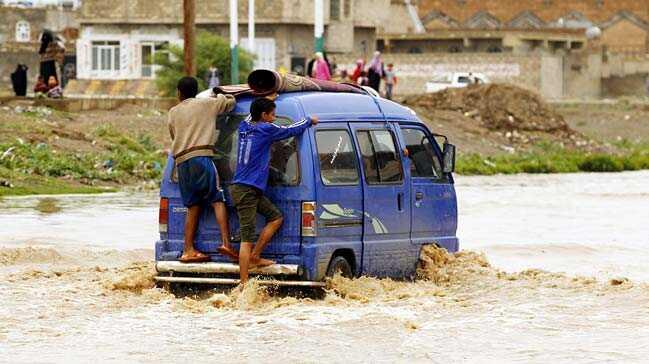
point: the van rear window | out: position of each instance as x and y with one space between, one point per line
284 163
337 157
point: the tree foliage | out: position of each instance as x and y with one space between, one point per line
211 49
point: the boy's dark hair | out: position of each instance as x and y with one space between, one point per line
390 65
188 87
259 106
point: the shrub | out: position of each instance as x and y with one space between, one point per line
210 50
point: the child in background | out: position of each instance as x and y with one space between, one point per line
256 135
362 79
390 81
40 88
54 90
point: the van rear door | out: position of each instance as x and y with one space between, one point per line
283 190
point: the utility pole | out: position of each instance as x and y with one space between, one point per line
251 26
189 20
319 25
234 42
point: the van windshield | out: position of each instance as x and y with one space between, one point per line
284 170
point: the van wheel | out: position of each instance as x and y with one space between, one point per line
340 264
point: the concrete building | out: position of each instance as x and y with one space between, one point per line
117 37
19 36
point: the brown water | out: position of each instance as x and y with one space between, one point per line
66 300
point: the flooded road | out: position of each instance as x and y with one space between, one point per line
563 278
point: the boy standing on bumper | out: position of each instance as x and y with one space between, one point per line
256 135
192 125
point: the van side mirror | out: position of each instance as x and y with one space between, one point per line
449 158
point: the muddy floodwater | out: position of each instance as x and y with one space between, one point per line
554 268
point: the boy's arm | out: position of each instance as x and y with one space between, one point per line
283 132
223 103
171 127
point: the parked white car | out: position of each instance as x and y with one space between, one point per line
443 81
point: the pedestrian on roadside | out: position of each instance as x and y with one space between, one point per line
19 80
51 52
212 77
256 135
356 73
192 127
54 90
390 81
376 71
321 68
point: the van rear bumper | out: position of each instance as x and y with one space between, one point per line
225 268
234 281
200 273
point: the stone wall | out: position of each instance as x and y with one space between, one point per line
414 70
547 10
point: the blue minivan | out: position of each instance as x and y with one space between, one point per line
361 193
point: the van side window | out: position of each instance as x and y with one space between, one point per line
284 163
425 162
381 162
337 157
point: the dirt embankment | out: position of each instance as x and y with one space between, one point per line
495 117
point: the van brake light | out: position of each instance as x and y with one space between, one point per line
308 219
163 215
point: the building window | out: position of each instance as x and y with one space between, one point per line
334 9
347 6
149 51
105 56
23 31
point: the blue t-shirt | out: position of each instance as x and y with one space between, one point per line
255 140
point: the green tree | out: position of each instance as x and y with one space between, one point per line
210 50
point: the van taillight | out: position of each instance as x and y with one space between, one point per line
308 219
163 215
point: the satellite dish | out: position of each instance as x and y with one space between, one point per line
593 32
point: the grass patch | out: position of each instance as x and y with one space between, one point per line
48 205
37 168
554 159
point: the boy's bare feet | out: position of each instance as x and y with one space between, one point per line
228 252
194 257
260 262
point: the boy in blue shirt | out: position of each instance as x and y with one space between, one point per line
256 135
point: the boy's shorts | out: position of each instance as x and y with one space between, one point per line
199 182
249 201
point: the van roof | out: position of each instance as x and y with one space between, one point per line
334 106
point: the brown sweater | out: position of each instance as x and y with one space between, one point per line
192 125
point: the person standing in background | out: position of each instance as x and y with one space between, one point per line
212 77
390 81
52 52
360 66
19 80
321 68
376 72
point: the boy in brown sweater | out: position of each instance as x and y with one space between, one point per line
192 125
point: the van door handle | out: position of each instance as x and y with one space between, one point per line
419 196
399 203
